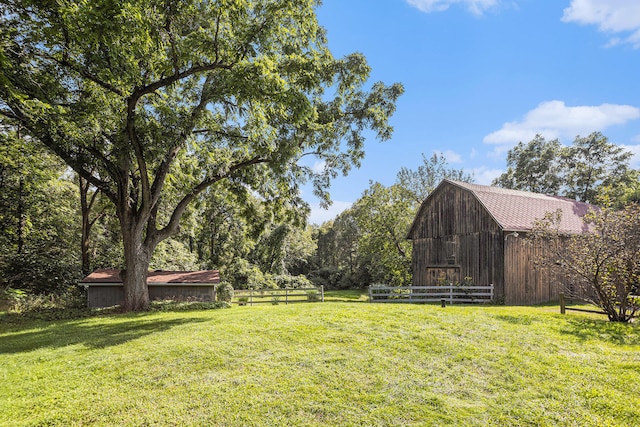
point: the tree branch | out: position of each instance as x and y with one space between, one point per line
84 73
156 236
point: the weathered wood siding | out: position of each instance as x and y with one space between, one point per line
455 237
101 295
528 279
182 292
104 296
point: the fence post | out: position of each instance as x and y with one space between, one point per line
322 292
370 294
562 308
286 296
251 297
451 293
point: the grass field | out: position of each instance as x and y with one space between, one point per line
340 363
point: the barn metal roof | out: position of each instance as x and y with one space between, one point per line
109 275
516 210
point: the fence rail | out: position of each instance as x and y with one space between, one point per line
635 300
278 296
451 294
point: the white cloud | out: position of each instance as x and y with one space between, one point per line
321 215
484 176
635 149
319 166
553 119
611 16
477 7
450 155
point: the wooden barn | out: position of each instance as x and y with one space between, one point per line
469 230
104 286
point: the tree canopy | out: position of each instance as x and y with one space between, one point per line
154 102
588 169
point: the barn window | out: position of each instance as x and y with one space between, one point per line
450 247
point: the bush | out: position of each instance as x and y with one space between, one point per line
225 292
174 305
22 301
292 282
40 271
328 277
69 304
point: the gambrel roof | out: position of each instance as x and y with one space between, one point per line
515 210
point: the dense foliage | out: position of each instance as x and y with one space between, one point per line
590 169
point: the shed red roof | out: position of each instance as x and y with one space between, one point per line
516 210
109 275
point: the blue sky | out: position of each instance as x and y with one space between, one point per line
482 75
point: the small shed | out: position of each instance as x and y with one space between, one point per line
469 230
105 289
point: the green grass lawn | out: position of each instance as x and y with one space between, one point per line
344 364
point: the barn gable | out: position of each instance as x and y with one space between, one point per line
514 210
463 230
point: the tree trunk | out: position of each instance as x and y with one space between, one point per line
20 215
134 278
84 242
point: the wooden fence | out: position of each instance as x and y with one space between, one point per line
278 296
451 294
564 308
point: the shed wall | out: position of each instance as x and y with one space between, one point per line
104 296
110 295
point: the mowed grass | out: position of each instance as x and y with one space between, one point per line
337 363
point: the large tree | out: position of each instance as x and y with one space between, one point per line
422 181
587 170
383 215
236 89
535 166
593 164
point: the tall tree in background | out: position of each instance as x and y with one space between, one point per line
38 232
88 198
238 90
535 166
592 164
383 215
590 168
422 181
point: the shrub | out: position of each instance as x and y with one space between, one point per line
292 282
225 292
601 263
174 305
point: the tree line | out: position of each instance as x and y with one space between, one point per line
55 227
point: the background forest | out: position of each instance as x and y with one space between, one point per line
55 228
